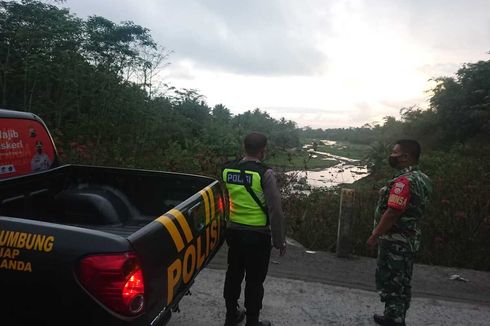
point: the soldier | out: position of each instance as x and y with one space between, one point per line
255 216
400 208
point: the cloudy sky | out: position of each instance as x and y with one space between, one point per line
322 63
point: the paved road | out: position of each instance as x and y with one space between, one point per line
324 267
294 302
320 289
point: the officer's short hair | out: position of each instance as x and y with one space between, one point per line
411 147
254 142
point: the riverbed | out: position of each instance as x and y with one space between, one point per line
346 171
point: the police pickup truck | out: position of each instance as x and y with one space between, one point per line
87 245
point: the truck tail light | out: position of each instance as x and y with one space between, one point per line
116 280
221 205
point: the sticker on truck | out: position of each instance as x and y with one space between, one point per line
25 147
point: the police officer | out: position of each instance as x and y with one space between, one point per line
400 208
255 216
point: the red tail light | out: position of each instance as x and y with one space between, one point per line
230 204
221 205
115 280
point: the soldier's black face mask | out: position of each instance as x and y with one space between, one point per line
393 161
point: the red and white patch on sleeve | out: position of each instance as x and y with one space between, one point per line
399 194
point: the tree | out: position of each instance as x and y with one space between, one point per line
38 43
462 103
377 156
116 47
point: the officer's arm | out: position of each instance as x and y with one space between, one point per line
276 215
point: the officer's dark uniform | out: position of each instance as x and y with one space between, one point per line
248 235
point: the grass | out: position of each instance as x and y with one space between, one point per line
346 149
302 160
298 160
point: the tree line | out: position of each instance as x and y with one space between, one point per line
94 83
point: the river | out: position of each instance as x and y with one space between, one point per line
347 170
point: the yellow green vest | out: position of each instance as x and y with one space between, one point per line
243 208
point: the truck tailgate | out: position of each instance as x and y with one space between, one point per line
177 245
37 268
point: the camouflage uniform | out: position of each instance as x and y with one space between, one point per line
408 191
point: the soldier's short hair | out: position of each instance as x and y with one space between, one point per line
411 147
254 142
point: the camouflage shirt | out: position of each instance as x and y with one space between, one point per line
409 192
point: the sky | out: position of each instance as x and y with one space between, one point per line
320 63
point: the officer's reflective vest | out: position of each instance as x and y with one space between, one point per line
243 208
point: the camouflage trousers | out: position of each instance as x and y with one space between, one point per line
393 277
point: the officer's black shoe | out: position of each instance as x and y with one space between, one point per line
260 323
382 320
235 317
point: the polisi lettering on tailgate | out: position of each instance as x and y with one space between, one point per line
193 251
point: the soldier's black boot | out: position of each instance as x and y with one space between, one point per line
234 316
382 320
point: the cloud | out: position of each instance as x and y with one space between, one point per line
396 106
312 118
327 118
181 70
452 27
287 37
440 69
244 37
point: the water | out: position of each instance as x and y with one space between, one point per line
346 171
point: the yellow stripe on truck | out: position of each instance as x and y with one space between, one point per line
211 200
183 224
205 197
172 229
182 270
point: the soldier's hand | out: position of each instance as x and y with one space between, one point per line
372 241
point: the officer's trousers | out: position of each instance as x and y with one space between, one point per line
393 278
248 256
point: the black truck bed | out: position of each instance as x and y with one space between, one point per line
117 201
